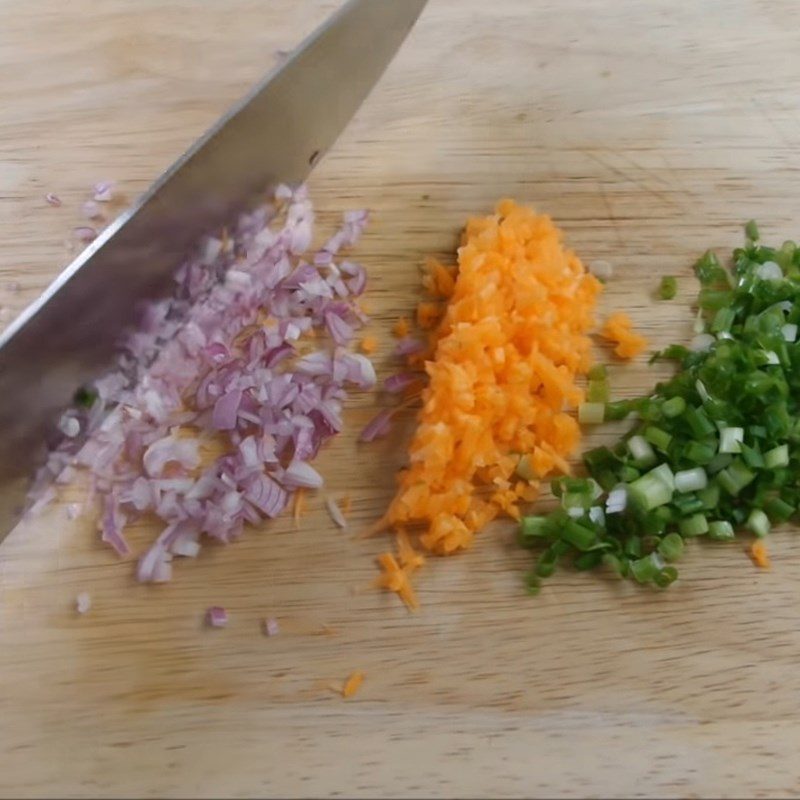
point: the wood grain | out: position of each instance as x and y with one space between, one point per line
650 131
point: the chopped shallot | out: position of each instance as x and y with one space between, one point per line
270 626
378 426
225 358
103 191
52 199
336 513
85 233
83 602
216 617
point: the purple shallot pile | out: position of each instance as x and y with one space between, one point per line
249 360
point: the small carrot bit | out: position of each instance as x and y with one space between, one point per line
299 505
410 559
346 504
369 344
401 328
395 579
618 329
428 315
352 684
759 554
440 281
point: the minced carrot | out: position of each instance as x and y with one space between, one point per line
440 282
394 578
401 328
299 505
619 329
502 376
352 684
428 315
759 554
369 344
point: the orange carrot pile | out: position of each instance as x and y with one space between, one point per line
618 329
507 350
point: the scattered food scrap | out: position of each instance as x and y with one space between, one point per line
83 602
216 617
270 626
619 330
352 684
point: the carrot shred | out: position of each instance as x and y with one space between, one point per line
346 504
619 329
352 684
299 505
759 554
369 344
505 355
394 578
401 328
428 315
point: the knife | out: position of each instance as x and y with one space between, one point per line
275 134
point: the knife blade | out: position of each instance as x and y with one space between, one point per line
277 133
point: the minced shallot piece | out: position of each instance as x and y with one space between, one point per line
336 513
216 617
83 602
270 626
249 354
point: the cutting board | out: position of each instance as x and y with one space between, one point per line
650 131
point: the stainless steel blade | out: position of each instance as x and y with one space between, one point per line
275 134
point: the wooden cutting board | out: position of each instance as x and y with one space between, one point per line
650 131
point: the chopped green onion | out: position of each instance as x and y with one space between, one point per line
644 570
532 529
641 450
673 407
618 410
758 523
709 496
591 413
650 491
671 547
751 231
721 531
664 473
658 437
778 509
735 477
578 535
669 287
730 440
598 391
721 438
700 452
667 576
777 457
691 480
698 421
696 525
532 583
687 504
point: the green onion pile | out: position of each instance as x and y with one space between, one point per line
715 449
